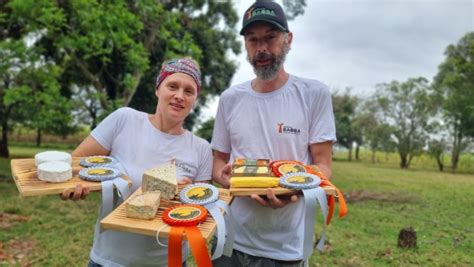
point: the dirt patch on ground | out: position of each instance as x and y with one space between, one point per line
18 251
8 219
363 195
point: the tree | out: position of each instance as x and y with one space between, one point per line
436 150
115 49
205 130
407 107
47 110
454 84
361 124
294 8
9 67
344 111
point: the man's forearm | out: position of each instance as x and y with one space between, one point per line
322 157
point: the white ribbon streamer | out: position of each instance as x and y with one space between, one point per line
221 229
229 243
108 194
313 197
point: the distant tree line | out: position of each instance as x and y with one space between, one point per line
414 116
410 117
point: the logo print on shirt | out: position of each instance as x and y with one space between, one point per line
183 166
285 129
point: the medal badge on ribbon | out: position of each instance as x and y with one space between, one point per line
102 169
207 196
184 219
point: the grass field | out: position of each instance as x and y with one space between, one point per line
46 231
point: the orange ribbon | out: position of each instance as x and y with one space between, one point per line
196 242
331 199
188 227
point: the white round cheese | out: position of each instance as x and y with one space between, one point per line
52 156
54 171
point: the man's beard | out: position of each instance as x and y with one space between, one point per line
269 72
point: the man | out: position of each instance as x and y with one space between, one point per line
277 116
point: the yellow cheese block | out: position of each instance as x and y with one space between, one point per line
262 181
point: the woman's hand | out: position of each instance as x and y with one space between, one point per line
75 194
185 180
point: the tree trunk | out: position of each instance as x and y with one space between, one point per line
403 161
373 156
454 159
4 152
349 156
94 119
357 152
38 137
439 160
456 151
410 157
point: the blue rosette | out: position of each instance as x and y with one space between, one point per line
199 193
97 161
299 181
99 174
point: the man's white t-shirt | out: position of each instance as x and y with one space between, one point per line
279 125
131 139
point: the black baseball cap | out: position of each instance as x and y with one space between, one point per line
265 11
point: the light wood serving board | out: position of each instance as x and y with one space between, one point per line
118 220
242 191
26 179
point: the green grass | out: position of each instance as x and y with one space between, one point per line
386 199
420 162
437 205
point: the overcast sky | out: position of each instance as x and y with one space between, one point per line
360 43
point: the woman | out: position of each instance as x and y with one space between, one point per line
140 141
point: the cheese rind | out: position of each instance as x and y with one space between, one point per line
54 171
161 178
144 205
46 156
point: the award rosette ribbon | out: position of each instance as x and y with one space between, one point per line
184 218
97 161
313 195
108 177
207 196
282 167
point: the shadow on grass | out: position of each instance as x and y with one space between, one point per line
394 197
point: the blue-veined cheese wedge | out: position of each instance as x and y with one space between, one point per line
161 178
144 205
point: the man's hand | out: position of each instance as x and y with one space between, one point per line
221 168
224 178
272 200
75 194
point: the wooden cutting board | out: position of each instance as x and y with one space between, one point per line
241 191
26 179
118 220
